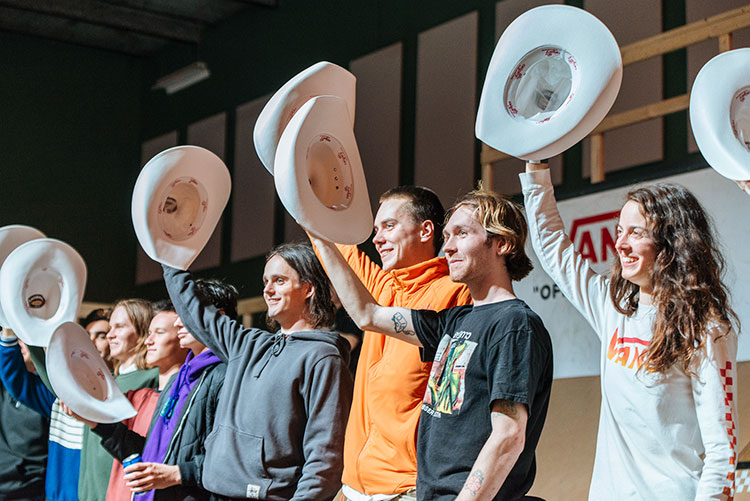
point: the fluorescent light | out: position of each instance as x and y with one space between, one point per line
182 78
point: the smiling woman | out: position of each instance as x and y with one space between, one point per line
668 345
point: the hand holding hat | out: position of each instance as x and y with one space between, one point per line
80 377
41 286
10 238
554 75
307 129
720 114
178 199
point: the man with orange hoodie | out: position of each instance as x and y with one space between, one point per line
380 459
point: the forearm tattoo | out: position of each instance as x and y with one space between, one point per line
474 482
399 324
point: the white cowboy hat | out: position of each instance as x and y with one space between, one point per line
11 237
81 379
720 113
554 75
321 78
319 175
41 286
177 201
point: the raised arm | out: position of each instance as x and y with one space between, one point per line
581 285
499 453
357 300
21 384
204 321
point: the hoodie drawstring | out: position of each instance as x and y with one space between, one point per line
279 341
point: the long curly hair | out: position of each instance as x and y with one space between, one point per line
688 291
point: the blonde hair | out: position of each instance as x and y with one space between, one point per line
501 218
140 312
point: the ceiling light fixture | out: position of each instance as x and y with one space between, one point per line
182 78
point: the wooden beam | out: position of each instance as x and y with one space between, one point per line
725 42
689 34
647 112
597 158
487 179
251 305
113 16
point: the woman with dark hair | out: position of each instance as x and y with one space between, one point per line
279 426
667 427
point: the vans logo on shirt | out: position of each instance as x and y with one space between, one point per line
627 351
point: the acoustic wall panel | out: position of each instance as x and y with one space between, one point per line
446 107
210 133
253 192
146 269
641 84
377 125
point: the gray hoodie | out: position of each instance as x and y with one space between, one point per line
280 422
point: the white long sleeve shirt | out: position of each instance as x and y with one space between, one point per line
660 437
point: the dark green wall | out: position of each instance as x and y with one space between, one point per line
70 141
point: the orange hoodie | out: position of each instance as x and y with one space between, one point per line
380 454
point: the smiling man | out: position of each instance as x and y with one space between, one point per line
380 448
489 387
278 432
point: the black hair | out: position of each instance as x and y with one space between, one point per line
220 294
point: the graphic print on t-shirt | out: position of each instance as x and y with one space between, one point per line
445 388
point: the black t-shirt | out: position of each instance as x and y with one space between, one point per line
498 351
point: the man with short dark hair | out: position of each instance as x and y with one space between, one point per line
380 448
489 387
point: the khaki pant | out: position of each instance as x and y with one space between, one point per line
410 495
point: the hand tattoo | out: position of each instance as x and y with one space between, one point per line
399 324
474 482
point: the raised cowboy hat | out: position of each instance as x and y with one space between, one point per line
554 75
319 175
321 78
11 237
41 286
81 379
720 113
178 199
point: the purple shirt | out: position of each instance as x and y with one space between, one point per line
165 424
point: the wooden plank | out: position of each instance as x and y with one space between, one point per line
640 114
689 34
597 158
487 178
251 305
725 42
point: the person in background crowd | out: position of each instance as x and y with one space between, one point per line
668 421
278 432
380 456
65 432
96 324
173 451
23 432
127 335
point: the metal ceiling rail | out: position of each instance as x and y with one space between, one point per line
719 26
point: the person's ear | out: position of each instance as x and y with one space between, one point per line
426 231
310 290
503 247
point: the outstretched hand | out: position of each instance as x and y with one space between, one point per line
69 412
141 477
